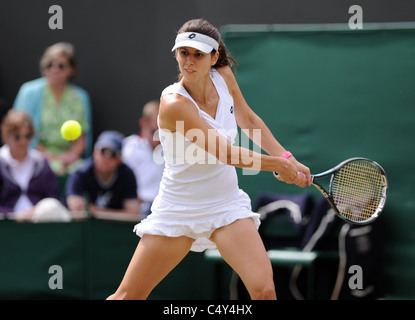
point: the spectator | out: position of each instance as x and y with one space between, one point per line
137 153
25 175
51 100
104 180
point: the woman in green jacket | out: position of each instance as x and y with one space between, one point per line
53 99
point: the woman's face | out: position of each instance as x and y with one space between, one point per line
59 70
194 64
19 142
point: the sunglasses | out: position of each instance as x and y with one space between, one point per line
109 153
18 137
60 65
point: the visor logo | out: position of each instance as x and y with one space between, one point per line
191 36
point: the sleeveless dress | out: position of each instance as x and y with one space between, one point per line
198 194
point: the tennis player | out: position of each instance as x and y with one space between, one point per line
199 204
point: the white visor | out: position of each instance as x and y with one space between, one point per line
196 40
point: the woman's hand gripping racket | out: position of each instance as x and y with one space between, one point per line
357 190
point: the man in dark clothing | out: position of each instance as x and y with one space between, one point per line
104 180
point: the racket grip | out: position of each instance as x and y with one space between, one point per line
301 174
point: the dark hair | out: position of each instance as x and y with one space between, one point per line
204 27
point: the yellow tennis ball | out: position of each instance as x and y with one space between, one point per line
71 130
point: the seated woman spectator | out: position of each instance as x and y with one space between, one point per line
104 183
51 100
25 175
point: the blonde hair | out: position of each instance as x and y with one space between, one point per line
13 121
151 109
56 50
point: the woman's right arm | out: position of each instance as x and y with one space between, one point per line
175 109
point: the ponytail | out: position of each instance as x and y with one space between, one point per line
225 58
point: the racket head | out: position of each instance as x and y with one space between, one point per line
358 189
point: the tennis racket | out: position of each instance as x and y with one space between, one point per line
357 190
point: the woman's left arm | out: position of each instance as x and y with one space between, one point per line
248 120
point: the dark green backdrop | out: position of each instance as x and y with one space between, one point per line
329 94
93 255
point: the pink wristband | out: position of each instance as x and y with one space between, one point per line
286 155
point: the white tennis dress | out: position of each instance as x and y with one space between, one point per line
197 194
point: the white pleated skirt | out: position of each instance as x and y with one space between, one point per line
196 222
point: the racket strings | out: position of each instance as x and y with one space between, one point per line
357 190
